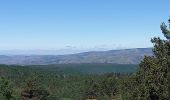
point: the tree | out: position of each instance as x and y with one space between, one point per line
92 89
5 89
109 87
34 90
153 78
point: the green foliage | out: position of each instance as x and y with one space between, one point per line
34 90
5 89
54 84
109 86
105 87
152 81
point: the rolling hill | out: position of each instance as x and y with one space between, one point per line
125 56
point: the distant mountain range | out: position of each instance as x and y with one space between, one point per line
125 56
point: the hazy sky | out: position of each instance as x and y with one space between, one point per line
81 24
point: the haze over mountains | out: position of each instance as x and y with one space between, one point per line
124 56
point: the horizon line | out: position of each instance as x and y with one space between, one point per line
53 53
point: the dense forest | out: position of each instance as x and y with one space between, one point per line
150 82
61 82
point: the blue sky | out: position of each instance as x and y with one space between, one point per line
80 24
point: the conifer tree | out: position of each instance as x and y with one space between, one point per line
34 90
153 77
5 89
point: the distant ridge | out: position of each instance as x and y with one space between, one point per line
124 56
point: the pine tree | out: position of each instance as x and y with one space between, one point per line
5 89
34 90
154 72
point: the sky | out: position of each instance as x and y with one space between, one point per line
80 24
